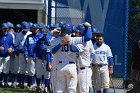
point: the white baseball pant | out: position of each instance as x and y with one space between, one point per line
100 77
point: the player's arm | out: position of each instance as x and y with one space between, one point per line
110 60
26 50
110 66
57 47
109 57
88 35
77 48
11 48
92 51
74 48
85 38
49 61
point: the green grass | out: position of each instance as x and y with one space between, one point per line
17 90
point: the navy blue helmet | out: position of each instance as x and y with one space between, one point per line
67 28
25 26
80 28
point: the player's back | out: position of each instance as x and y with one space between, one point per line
63 54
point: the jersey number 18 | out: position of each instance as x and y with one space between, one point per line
65 48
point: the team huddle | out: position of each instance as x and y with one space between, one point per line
57 58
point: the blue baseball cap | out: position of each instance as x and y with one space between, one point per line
46 31
35 26
4 26
10 25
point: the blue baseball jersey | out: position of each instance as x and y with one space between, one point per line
42 47
30 44
6 41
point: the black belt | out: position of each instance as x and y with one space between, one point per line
99 65
85 67
70 62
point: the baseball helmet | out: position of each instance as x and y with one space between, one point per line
61 23
4 25
52 25
57 25
30 24
18 26
95 30
80 28
35 26
41 25
25 26
10 25
46 31
67 28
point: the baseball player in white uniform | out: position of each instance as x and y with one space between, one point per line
103 65
84 53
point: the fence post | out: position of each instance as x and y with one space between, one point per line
49 11
126 39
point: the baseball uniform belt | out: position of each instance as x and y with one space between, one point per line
99 65
70 62
82 68
21 51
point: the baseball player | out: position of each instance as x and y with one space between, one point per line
18 28
12 58
15 62
11 30
30 54
43 52
66 68
19 43
94 32
84 53
103 65
6 48
56 34
41 27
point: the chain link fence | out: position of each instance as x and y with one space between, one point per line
68 13
133 29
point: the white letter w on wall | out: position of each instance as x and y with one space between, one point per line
98 11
